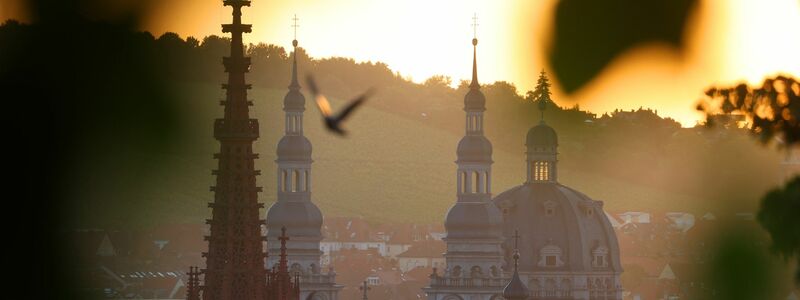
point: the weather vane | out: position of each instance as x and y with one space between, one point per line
475 25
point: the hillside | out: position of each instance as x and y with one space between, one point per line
389 169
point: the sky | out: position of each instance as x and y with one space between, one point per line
729 41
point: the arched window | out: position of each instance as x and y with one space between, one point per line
456 272
475 272
550 286
296 183
478 188
487 187
284 180
465 182
541 170
305 176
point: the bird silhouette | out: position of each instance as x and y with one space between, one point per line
333 122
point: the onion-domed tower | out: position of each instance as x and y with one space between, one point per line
473 223
294 209
569 248
516 289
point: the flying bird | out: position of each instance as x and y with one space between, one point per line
333 122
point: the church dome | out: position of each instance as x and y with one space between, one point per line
474 148
473 220
294 101
562 229
474 100
294 148
515 289
301 218
542 135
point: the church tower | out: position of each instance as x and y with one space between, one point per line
235 257
542 141
294 208
473 223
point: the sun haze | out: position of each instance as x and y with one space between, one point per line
726 42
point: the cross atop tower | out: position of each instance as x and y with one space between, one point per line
516 249
475 26
283 238
364 288
294 25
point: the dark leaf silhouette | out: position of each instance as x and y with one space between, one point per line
589 34
778 215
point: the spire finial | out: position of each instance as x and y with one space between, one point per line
294 25
475 28
295 84
475 84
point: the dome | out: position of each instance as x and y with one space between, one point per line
474 100
515 289
294 148
294 101
561 229
301 218
474 148
473 220
542 135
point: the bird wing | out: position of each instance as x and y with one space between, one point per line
352 106
322 102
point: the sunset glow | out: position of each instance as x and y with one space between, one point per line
727 42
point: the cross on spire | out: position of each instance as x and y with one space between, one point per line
516 238
294 25
364 288
475 26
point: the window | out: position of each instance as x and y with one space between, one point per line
541 171
599 260
296 184
549 208
464 181
456 272
475 272
306 188
550 260
284 182
550 256
487 187
599 257
478 188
